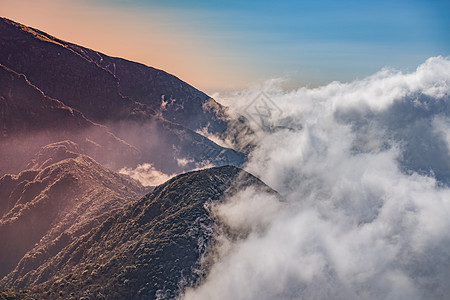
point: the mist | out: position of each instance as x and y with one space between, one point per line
146 174
364 170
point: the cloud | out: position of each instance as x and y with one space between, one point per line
182 162
146 174
249 210
364 170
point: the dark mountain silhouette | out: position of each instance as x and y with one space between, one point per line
65 75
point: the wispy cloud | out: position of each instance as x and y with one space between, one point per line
146 174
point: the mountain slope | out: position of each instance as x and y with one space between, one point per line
70 225
141 83
68 73
150 250
64 75
166 94
44 209
176 100
29 120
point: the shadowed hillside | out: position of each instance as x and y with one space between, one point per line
30 120
150 250
44 209
149 109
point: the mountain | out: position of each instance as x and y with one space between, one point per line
30 120
166 94
71 225
64 75
63 63
151 249
45 208
147 108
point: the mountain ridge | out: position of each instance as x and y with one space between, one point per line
38 205
108 63
150 250
76 80
139 82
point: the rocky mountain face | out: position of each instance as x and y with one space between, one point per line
160 111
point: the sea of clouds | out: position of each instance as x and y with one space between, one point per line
364 168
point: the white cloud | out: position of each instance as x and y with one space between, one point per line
249 210
146 174
182 162
366 182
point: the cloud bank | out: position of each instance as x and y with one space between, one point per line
364 168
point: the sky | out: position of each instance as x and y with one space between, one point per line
228 45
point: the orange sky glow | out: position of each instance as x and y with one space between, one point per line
133 35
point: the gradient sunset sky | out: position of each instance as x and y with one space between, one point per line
222 45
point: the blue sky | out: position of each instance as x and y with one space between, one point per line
319 41
225 44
